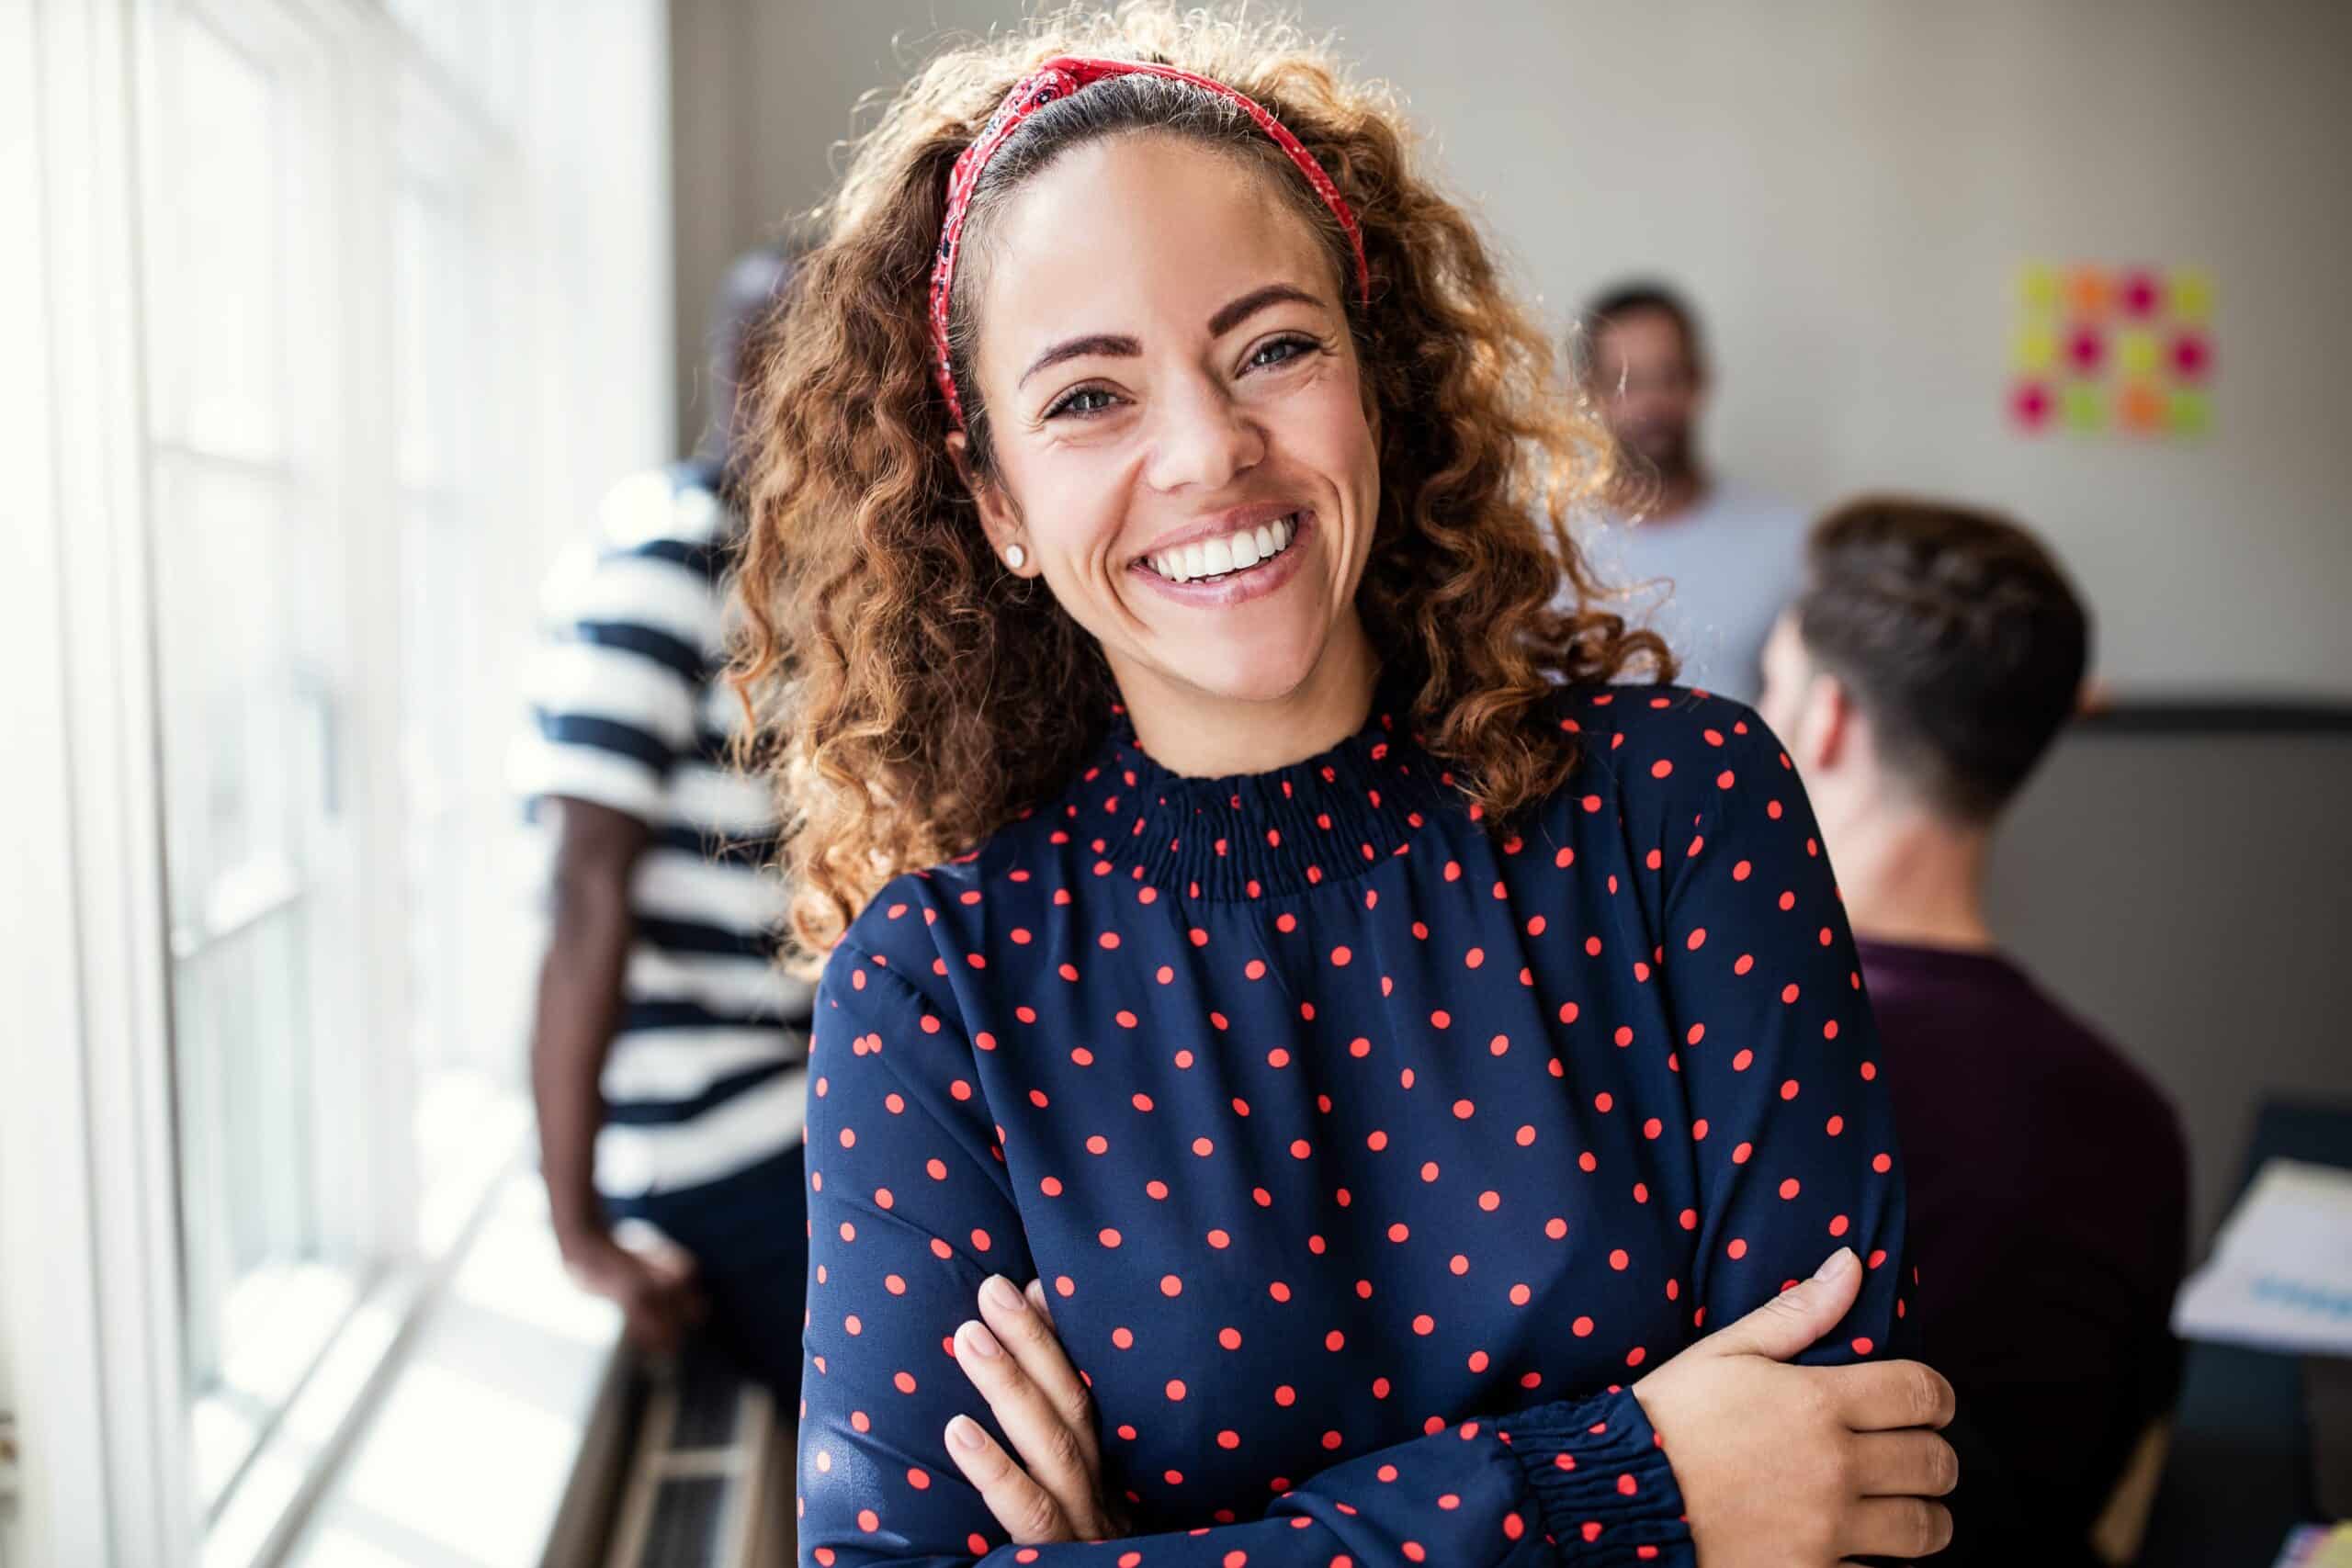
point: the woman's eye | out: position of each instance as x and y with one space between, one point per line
1085 401
1279 351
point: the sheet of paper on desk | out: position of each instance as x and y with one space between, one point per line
2317 1546
2280 1277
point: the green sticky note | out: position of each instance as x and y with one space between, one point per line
2038 287
2084 406
2136 352
2191 294
2191 413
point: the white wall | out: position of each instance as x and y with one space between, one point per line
1846 187
598 129
2109 878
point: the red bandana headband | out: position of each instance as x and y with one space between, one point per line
1058 79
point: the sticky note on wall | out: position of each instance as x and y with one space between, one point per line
2101 349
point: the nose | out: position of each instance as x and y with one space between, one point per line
1204 438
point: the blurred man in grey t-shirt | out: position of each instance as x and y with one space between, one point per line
1711 563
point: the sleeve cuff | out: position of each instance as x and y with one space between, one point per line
1600 1480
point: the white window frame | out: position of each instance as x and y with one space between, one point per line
92 1290
85 1144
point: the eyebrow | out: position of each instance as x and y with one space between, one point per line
1107 343
1250 304
1116 346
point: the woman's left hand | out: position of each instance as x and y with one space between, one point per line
1053 1491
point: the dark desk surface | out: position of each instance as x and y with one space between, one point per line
2239 1474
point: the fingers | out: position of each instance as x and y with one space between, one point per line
655 1328
1029 1513
1794 1319
1903 1464
1897 1527
682 1313
1017 1365
649 1331
671 1264
1013 1316
1884 1396
658 1311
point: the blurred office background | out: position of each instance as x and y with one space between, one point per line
329 320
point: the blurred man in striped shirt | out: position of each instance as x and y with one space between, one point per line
668 1058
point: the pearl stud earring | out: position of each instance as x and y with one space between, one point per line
1015 557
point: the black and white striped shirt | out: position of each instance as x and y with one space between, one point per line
707 1073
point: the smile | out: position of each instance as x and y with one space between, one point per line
1229 555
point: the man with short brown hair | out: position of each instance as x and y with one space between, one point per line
1931 657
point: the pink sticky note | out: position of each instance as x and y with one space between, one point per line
2192 357
2086 349
2029 406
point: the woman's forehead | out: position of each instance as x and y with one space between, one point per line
1140 231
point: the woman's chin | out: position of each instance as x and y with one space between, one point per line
1269 686
1261 670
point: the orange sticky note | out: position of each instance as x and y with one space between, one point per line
2141 408
2088 292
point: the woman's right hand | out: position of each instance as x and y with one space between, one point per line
1782 1463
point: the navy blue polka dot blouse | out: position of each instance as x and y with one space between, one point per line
1367 1154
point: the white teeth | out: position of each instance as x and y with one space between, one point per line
1237 551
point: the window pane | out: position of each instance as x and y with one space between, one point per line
468 970
418 322
246 815
223 386
248 643
256 1272
235 710
441 613
454 35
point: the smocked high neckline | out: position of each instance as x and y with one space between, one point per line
1324 818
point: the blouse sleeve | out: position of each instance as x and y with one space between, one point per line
911 1210
1792 1126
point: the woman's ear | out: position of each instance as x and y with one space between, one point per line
1000 519
1831 720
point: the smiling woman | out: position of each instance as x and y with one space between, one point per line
1295 1038
890 632
1231 401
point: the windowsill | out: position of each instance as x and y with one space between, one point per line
285 1320
484 1416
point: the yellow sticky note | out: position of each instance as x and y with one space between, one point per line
2191 294
2038 287
2135 352
2035 349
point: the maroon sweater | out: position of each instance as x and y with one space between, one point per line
2049 1216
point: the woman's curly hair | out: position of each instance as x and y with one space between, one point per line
909 694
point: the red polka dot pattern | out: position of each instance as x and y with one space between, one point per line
1369 1138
